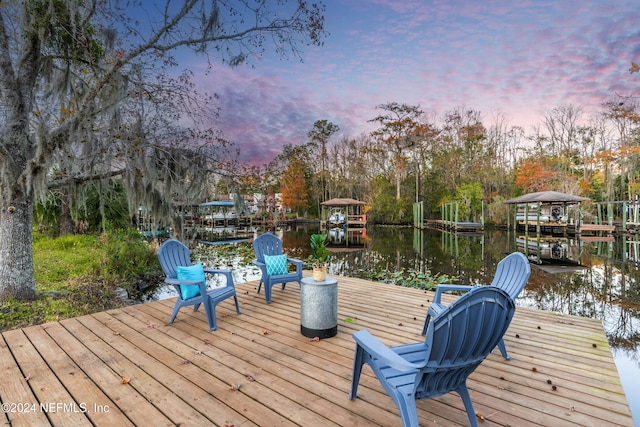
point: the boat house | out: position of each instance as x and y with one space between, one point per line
546 211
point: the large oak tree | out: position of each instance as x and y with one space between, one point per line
66 66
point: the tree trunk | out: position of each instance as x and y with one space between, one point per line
16 251
66 221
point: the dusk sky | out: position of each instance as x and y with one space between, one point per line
520 58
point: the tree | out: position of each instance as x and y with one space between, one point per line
543 174
149 145
399 132
562 123
294 187
625 118
351 168
65 67
469 198
318 141
461 151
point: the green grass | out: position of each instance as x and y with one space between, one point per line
77 275
56 260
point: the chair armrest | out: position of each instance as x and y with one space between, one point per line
383 353
298 264
177 283
226 273
174 281
445 287
261 265
218 271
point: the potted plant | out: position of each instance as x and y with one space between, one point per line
320 255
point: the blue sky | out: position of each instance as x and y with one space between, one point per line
518 58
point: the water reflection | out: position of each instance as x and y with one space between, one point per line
592 277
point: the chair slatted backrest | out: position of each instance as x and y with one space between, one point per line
267 244
172 254
512 274
462 337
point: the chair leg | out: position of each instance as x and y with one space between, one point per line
235 298
176 308
267 292
358 361
260 285
503 350
408 410
196 307
463 391
210 310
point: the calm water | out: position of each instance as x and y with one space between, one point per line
600 280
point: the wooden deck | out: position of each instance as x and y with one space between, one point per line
127 367
595 228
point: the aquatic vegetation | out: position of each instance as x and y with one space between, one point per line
238 256
412 278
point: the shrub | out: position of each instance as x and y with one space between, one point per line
125 256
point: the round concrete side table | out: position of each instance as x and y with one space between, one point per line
319 308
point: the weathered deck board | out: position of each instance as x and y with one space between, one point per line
257 369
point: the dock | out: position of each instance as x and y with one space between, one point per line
128 367
456 226
596 228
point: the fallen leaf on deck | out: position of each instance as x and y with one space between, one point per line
125 380
316 339
235 387
264 332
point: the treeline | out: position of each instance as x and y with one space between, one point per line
457 156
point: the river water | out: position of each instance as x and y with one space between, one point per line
596 279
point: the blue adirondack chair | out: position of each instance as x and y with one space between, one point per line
175 260
457 342
511 275
273 264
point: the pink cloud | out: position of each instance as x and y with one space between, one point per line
522 57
